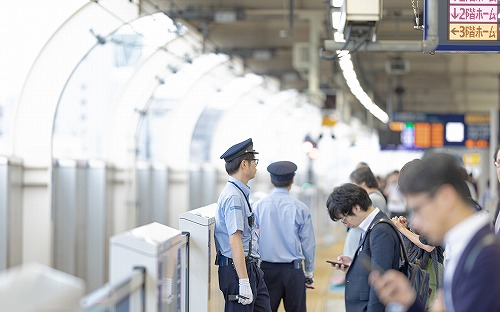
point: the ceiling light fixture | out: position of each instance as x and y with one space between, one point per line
353 83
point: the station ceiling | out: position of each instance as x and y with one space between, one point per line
265 32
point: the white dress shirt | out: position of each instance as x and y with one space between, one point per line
367 221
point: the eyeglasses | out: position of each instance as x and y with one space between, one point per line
343 219
255 159
415 211
497 164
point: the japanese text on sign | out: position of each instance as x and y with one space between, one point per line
473 20
473 32
470 13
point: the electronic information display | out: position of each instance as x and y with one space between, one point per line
413 130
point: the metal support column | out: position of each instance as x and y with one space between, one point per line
390 90
314 32
11 219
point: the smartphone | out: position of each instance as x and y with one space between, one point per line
339 263
235 297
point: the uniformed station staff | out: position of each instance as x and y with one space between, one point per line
286 241
236 237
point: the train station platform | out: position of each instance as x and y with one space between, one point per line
327 295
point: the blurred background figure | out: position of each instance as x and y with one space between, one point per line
364 177
471 184
395 202
485 196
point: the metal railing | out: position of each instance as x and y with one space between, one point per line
126 295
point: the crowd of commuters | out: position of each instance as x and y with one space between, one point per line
440 202
428 209
438 198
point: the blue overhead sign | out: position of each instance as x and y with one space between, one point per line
467 25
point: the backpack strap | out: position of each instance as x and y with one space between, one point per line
403 254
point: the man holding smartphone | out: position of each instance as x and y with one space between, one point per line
351 205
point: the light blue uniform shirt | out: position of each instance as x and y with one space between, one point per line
286 229
378 201
232 215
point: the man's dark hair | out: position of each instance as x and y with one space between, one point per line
344 198
233 165
432 172
364 174
281 183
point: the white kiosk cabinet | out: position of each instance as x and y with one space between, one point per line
204 293
162 251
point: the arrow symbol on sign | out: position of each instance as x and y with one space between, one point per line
454 15
453 31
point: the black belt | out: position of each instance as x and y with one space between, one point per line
225 261
296 264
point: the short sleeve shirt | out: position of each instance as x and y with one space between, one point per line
285 228
232 215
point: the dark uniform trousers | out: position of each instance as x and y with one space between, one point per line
229 285
287 281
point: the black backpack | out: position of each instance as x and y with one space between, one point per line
418 277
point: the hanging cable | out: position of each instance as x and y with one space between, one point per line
416 12
333 56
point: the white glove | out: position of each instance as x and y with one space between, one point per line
309 280
245 295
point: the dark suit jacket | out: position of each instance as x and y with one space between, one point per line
479 288
383 248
